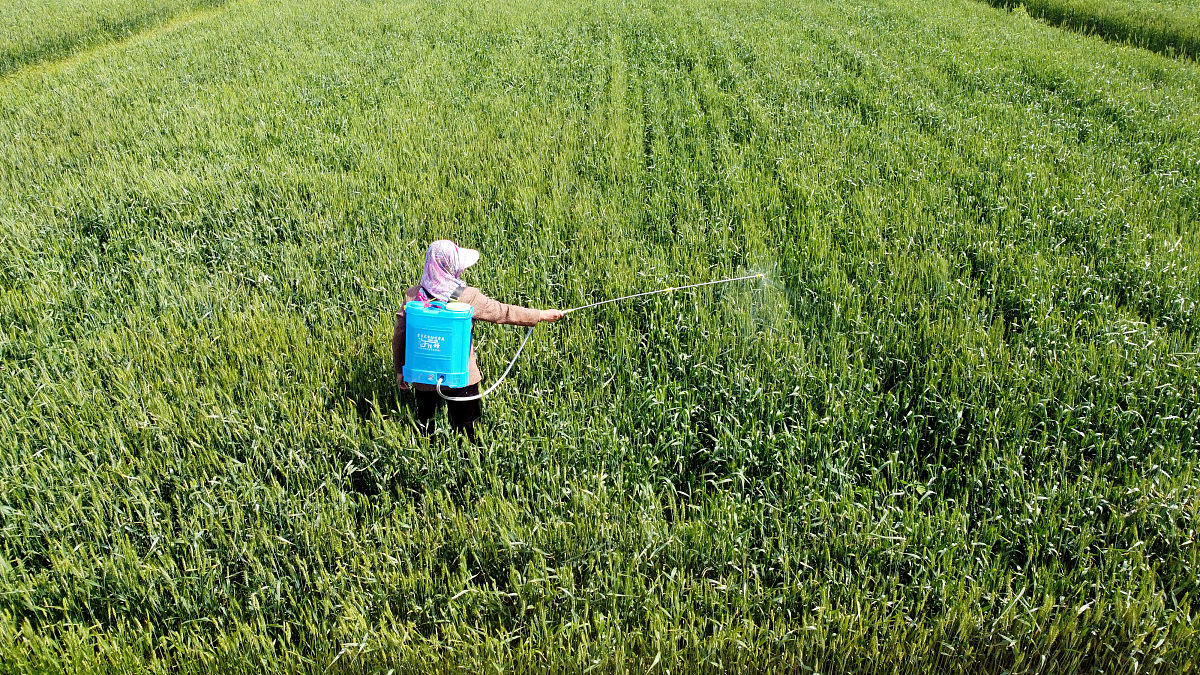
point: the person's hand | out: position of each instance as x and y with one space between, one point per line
552 315
401 383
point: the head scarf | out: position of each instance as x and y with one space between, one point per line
444 264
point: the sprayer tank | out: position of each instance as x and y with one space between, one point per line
437 342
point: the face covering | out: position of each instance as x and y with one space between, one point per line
444 264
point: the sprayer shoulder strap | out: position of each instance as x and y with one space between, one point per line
453 296
467 294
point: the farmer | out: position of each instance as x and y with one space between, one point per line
445 263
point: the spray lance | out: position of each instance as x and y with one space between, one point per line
437 341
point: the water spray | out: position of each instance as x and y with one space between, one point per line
438 342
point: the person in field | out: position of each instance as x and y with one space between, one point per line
445 263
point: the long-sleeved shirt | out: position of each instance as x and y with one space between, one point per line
486 309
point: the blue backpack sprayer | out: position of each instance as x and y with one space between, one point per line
437 341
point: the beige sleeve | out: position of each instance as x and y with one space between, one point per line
487 309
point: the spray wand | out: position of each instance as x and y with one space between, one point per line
664 290
576 309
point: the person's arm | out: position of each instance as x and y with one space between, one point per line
398 350
487 309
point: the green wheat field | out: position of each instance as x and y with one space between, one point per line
955 429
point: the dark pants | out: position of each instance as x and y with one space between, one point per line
462 413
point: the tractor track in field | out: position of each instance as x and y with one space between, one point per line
1182 43
62 60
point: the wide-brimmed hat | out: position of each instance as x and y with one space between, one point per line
467 257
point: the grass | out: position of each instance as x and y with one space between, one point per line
1167 26
956 431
